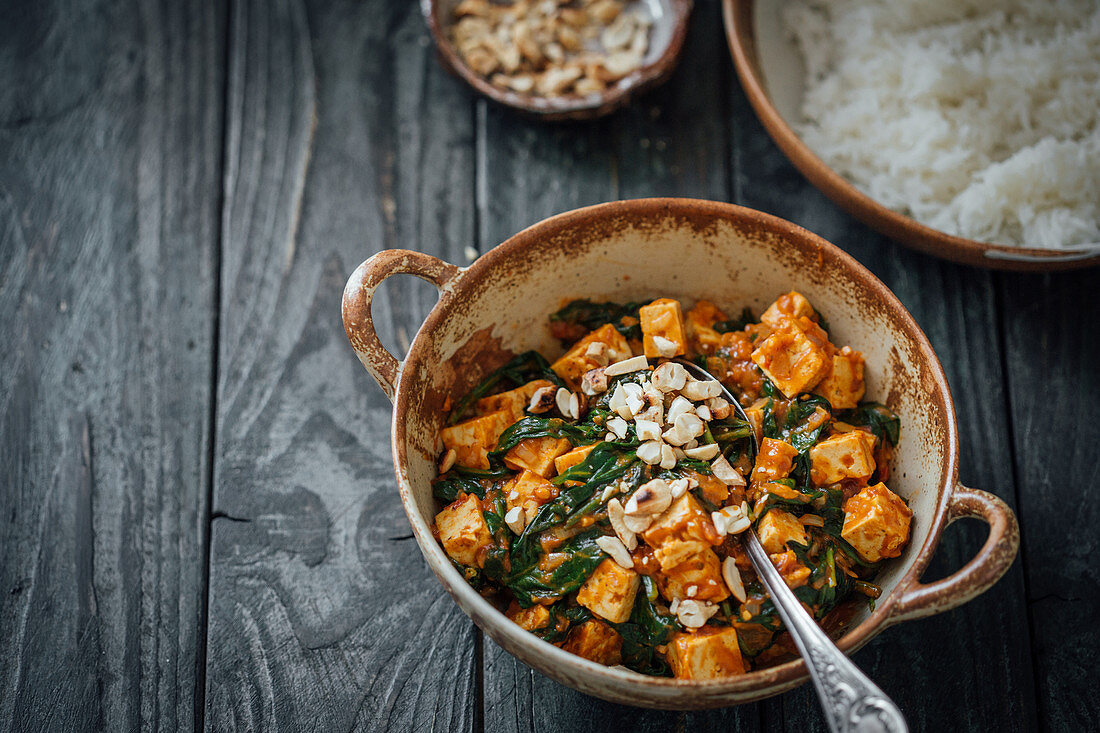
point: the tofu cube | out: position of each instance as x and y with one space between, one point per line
777 528
700 322
463 531
703 572
674 552
711 488
663 318
793 571
773 461
710 653
791 305
529 491
567 460
685 519
513 402
843 385
572 366
529 619
681 538
472 439
791 359
596 641
817 336
609 592
537 455
876 523
843 456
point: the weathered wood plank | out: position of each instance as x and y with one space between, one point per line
343 139
924 663
1054 388
110 144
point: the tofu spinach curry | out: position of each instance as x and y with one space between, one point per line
598 500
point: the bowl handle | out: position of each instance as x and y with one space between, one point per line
978 575
358 293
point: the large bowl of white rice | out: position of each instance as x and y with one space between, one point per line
969 129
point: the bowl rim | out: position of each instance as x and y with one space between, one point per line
566 108
769 680
738 18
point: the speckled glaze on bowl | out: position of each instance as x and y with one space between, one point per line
685 249
670 25
771 71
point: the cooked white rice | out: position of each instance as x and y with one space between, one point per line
976 117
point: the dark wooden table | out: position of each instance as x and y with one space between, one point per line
198 521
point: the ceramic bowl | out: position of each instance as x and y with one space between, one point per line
688 249
771 70
670 21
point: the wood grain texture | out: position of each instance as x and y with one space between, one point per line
342 139
110 139
929 666
149 149
1053 353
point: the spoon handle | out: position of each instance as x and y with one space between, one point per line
850 700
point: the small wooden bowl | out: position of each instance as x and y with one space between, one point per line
670 21
771 73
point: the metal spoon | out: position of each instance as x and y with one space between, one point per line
850 700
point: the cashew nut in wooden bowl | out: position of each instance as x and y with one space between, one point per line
566 94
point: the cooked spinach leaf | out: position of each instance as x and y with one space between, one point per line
766 615
630 478
833 514
470 574
580 554
801 475
524 368
604 464
882 421
623 316
446 488
728 430
736 324
646 629
563 617
827 583
795 505
690 464
794 420
497 563
493 509
753 638
545 427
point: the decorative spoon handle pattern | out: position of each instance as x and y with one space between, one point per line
850 700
